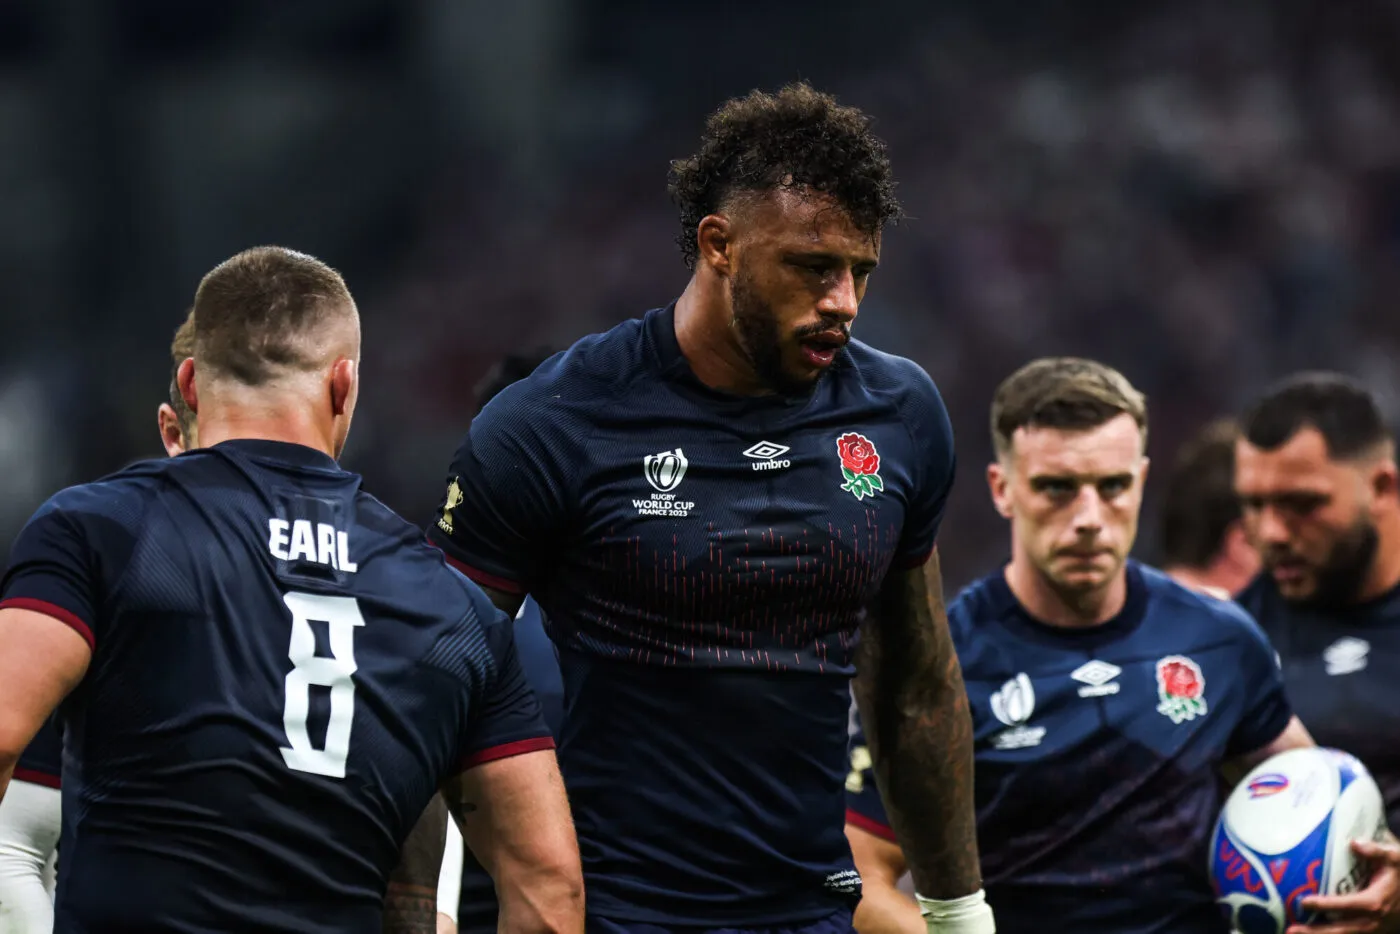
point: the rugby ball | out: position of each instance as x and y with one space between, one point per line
1285 833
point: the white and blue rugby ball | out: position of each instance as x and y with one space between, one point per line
1285 833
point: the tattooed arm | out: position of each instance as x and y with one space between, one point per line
515 818
916 717
410 902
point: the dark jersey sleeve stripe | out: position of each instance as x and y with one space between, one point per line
36 777
478 576
869 825
506 750
67 617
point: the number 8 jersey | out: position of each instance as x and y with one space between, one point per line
283 672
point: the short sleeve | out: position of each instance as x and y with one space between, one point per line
54 570
505 718
864 809
1267 710
932 434
505 493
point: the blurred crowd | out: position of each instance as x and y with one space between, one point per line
1203 195
1207 197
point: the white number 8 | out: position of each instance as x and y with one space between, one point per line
342 615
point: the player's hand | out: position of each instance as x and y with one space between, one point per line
1373 910
445 924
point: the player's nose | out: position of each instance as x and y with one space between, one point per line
1270 529
841 300
1088 511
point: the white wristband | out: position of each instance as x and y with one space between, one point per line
967 915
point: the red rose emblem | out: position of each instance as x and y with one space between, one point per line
858 455
1180 681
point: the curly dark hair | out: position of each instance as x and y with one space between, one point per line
797 138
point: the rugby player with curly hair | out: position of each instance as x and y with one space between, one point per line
704 502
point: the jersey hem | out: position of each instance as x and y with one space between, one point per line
67 617
36 777
870 825
507 750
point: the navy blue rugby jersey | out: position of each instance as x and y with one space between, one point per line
283 673
41 763
1340 669
702 559
1098 753
478 910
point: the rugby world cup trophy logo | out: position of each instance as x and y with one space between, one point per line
860 465
1181 689
665 471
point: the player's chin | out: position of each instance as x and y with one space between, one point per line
1294 589
1079 575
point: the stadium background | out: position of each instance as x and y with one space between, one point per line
1204 194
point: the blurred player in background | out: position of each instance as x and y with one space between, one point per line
1108 700
702 501
466 894
1316 475
30 815
211 788
1203 540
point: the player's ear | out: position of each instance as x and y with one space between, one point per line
184 381
170 435
714 238
999 483
1385 482
345 385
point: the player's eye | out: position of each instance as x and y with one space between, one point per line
1114 486
1054 486
1301 504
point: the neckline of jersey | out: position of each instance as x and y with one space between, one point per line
285 452
1379 609
1012 612
660 325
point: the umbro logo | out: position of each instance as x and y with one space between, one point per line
766 453
1346 656
1097 678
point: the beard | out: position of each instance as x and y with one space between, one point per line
1341 577
756 326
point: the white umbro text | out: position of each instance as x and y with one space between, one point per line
767 454
1097 678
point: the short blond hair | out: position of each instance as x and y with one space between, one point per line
1070 393
254 312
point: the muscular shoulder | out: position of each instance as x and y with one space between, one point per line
1211 616
566 393
899 379
116 502
977 606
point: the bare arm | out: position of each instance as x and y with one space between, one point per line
41 660
410 902
515 817
919 727
1294 736
883 909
